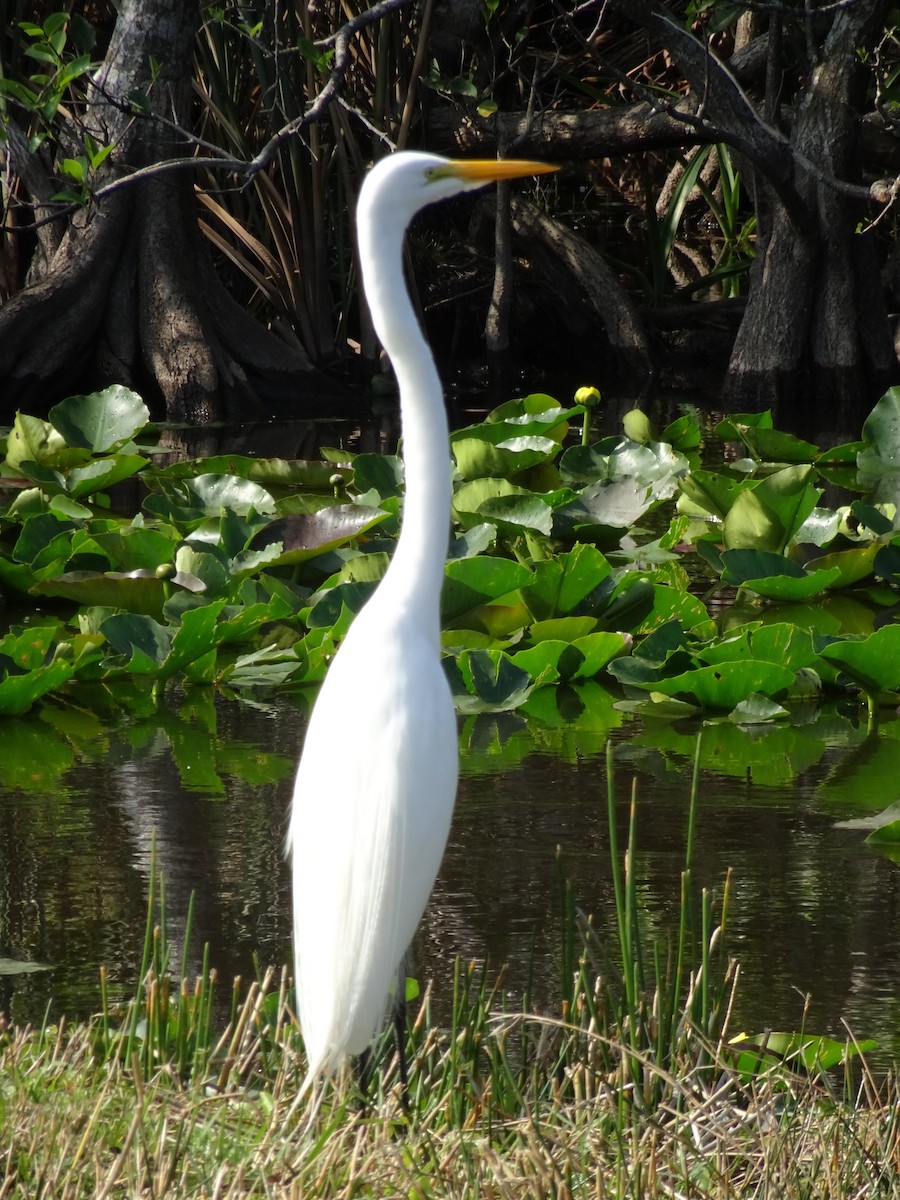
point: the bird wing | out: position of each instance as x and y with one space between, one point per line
372 807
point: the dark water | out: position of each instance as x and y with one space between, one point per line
813 910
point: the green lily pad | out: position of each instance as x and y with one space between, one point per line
569 583
772 445
517 514
767 516
470 583
852 565
102 420
267 472
542 661
486 681
19 692
476 456
811 1053
881 433
138 638
537 414
135 591
873 663
561 629
34 440
789 587
885 835
379 473
305 536
608 508
95 476
713 492
723 686
728 429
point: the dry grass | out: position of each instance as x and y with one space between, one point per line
80 1122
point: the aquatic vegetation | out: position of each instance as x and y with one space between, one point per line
570 562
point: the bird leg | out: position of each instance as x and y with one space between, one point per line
400 1046
364 1071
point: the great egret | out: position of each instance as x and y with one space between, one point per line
376 783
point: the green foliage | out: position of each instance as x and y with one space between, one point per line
242 573
54 60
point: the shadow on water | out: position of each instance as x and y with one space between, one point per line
813 910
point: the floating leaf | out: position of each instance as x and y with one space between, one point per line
725 685
19 692
569 583
33 440
477 456
800 1051
141 640
470 583
603 508
852 565
102 420
873 662
95 476
135 591
768 515
774 576
489 681
268 472
881 433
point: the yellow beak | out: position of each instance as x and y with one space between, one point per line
488 170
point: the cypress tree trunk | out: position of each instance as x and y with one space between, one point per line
126 292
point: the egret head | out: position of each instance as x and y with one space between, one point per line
407 181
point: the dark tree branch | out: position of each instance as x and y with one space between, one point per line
341 41
215 159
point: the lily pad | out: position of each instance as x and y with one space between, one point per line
102 420
470 583
873 662
134 591
569 583
723 686
477 456
305 536
774 576
486 681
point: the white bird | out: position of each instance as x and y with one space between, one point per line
376 783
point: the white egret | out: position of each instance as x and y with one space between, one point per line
376 783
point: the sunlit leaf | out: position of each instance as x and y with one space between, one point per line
725 685
477 456
471 582
102 420
33 440
872 662
754 1055
569 583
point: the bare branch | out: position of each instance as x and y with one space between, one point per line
214 159
341 41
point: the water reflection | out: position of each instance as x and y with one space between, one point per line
205 787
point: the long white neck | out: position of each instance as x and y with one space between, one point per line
417 569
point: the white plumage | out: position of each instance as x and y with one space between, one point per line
375 788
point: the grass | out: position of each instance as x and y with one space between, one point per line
632 1088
